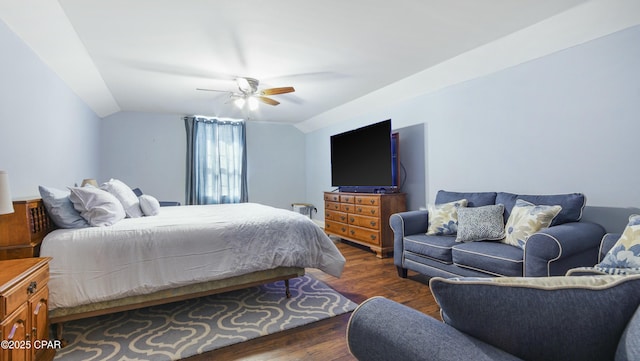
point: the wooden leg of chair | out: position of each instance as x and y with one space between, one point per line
287 291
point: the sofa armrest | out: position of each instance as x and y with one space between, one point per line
406 223
607 243
555 250
381 329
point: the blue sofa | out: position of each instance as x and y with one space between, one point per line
567 243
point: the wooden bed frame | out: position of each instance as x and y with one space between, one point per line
32 223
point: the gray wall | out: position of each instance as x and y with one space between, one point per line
145 150
48 135
276 159
567 122
148 150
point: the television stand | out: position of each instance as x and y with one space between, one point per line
363 218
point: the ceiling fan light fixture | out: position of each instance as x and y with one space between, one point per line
239 102
253 103
243 84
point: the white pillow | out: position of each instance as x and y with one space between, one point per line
125 195
149 205
98 207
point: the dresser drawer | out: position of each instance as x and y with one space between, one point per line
336 228
364 234
371 211
20 293
368 200
364 221
335 216
347 198
347 207
332 197
333 206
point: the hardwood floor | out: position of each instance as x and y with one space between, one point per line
364 276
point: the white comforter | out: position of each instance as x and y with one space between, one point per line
181 246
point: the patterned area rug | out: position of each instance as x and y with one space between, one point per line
187 328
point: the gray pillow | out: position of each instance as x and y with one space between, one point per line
98 207
484 223
60 208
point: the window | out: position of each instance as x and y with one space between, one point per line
216 161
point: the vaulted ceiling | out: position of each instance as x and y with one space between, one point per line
151 55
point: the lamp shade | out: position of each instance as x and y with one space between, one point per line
90 182
6 203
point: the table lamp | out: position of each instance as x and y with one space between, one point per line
89 181
6 203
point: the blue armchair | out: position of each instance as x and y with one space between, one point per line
513 318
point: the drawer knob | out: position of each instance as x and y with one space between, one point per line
33 286
343 229
352 219
373 238
353 232
372 201
373 223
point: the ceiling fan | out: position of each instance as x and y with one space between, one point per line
249 93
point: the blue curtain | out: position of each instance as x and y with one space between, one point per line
216 161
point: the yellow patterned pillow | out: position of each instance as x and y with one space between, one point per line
443 218
526 219
626 252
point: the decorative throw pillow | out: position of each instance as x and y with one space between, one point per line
149 205
625 254
125 195
526 219
443 218
516 314
98 207
480 223
60 208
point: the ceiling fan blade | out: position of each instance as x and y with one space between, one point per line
267 100
275 91
213 90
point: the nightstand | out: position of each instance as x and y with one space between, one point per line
24 326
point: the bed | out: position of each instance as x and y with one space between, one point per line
183 252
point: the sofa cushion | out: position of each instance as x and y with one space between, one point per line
495 258
625 253
443 218
476 199
542 318
480 223
572 204
436 247
526 219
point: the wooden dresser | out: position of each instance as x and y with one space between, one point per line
363 218
24 326
22 231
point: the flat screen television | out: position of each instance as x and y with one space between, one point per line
365 159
